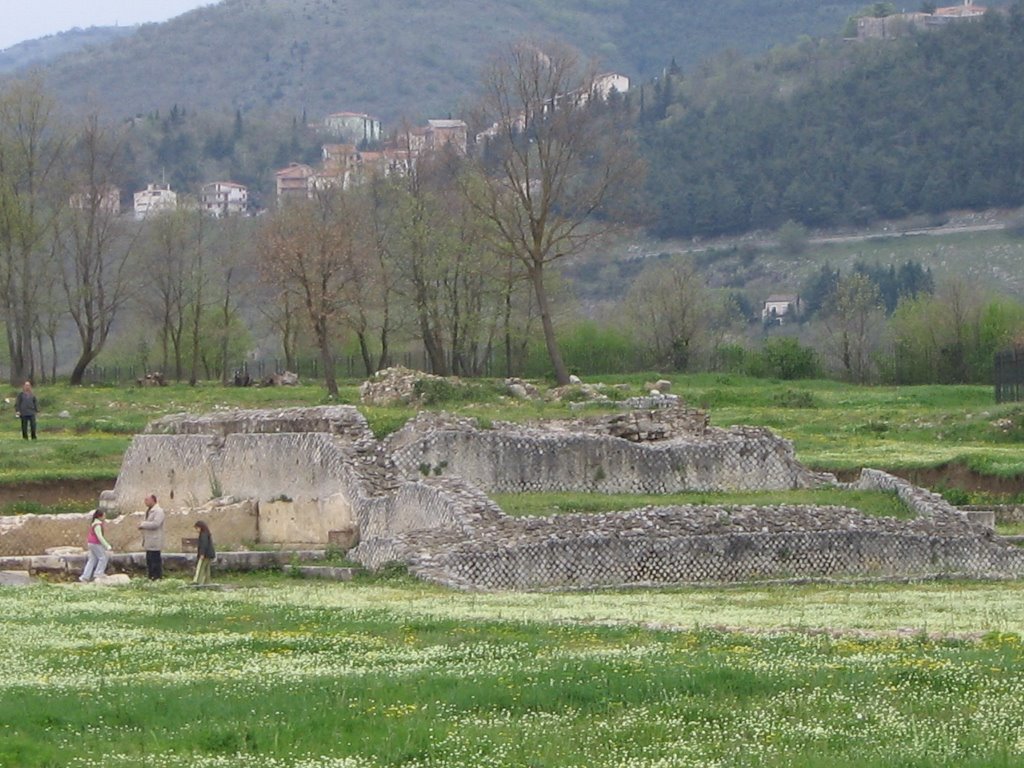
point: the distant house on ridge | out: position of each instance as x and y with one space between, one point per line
778 307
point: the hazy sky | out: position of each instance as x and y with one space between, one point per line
22 20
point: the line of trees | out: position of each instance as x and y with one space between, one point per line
454 254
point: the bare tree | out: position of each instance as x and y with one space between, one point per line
553 162
852 325
282 313
367 301
165 297
444 265
228 278
307 247
196 285
96 247
29 156
669 307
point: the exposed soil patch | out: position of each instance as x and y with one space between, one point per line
49 493
951 476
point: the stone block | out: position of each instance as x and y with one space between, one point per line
343 538
16 579
112 580
982 517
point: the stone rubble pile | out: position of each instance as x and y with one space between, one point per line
396 386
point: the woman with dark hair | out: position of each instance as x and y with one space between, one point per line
204 553
99 549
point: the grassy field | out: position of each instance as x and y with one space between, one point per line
277 672
833 426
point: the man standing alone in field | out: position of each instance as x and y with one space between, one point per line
153 538
26 406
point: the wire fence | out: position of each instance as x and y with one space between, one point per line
1008 373
261 371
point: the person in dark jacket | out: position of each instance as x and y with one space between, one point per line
26 406
204 553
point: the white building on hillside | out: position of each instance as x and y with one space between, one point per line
154 199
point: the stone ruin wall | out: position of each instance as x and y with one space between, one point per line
408 500
710 544
299 480
511 459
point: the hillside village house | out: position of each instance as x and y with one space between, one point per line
388 162
899 24
434 136
295 181
154 199
446 133
107 199
344 165
224 198
603 87
780 308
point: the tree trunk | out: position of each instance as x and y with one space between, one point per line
78 372
326 358
536 273
384 361
364 351
225 333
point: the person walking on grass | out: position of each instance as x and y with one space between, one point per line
99 549
204 553
153 538
26 406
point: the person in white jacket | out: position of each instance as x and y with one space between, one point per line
153 538
99 549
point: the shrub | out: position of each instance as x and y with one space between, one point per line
784 358
795 398
730 358
437 391
588 349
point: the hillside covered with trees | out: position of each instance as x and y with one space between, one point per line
395 58
828 134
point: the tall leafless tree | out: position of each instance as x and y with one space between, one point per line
307 246
165 296
30 150
554 162
96 245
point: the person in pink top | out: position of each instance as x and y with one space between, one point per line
99 549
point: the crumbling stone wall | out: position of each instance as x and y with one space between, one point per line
668 546
700 544
339 420
512 459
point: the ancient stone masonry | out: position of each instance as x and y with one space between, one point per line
343 421
680 545
300 478
571 457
